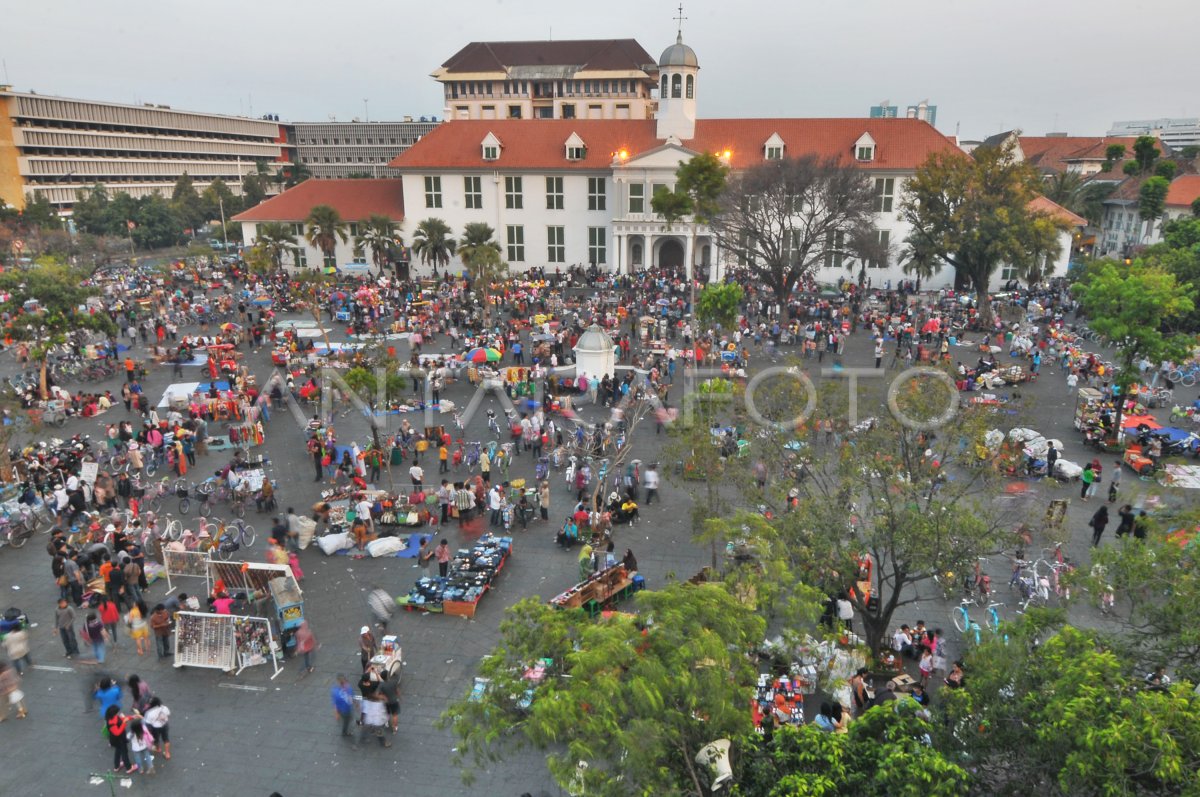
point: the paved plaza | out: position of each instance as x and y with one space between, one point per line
250 735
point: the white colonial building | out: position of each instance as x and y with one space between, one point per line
577 191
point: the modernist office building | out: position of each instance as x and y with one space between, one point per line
54 146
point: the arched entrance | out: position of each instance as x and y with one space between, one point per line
670 254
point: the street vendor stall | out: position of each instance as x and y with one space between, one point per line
600 590
271 588
471 575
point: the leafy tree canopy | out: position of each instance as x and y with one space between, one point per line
636 697
719 304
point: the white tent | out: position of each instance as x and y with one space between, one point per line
594 354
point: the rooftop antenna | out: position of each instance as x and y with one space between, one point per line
679 28
2 61
551 33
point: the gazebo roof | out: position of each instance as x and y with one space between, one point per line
594 339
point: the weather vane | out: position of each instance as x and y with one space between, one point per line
680 20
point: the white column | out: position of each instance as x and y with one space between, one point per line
689 253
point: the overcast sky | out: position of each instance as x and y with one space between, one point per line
1041 65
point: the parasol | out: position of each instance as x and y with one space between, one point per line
482 355
229 326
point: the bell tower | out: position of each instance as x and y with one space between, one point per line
677 69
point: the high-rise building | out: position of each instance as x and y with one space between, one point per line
331 150
54 146
1175 133
922 110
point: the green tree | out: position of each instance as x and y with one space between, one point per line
275 239
1131 168
972 213
634 697
699 183
187 203
1135 304
1112 154
1196 207
433 242
254 190
1155 584
884 753
323 229
1054 712
481 255
60 292
378 235
40 213
1166 169
91 210
1146 152
719 304
158 224
218 195
1152 197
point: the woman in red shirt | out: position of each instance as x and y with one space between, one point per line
117 724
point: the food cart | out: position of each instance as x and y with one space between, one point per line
1087 407
389 660
289 603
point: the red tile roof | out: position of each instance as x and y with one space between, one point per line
1184 190
1051 208
355 200
540 143
1053 153
601 54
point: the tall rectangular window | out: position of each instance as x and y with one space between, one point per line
834 252
637 197
597 252
433 192
884 238
884 189
596 193
516 243
556 248
473 192
512 194
554 193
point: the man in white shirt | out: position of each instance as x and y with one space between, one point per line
902 641
650 481
363 510
494 504
417 474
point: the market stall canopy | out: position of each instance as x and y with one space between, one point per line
1134 421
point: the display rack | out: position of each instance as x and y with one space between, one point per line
205 640
190 564
256 644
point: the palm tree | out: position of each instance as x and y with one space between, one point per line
481 255
432 242
323 228
276 239
378 235
1066 189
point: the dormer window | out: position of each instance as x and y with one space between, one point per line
575 148
773 148
864 148
490 147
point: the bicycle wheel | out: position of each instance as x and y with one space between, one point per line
239 509
1188 379
154 504
173 530
962 620
205 510
248 535
151 467
992 618
19 533
226 551
185 505
1175 375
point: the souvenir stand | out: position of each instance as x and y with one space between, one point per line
263 582
225 642
472 573
602 589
